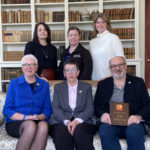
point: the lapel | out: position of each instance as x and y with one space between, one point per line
79 94
127 93
66 95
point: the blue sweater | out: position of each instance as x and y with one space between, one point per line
22 99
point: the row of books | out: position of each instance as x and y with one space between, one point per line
131 70
18 16
81 0
11 73
60 51
124 33
25 36
5 87
114 14
58 16
119 14
51 1
80 16
12 55
129 53
86 34
57 35
49 16
17 55
15 1
16 36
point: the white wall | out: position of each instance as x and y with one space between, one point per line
142 36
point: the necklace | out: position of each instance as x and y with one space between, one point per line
44 52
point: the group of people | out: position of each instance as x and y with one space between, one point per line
93 63
31 117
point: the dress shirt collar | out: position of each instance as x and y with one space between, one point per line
73 87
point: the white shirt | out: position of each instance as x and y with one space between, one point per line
72 91
102 48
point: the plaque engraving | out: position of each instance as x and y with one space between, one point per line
119 113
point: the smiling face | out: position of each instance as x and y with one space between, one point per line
73 37
41 32
29 67
118 67
71 73
101 25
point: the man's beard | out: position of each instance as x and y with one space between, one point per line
118 76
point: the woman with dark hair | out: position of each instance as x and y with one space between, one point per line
78 53
103 47
44 51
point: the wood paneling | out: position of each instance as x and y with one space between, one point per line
147 43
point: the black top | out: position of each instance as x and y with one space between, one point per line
84 60
32 85
46 56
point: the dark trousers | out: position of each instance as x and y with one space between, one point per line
82 138
133 133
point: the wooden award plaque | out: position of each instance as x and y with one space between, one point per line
119 113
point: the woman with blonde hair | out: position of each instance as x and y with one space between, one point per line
103 47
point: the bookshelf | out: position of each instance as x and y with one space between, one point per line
59 15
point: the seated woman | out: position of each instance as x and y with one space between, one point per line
71 125
27 107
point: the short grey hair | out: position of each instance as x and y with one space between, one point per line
123 58
29 56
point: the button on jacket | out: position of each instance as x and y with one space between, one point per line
22 99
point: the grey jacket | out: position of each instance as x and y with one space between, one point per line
61 109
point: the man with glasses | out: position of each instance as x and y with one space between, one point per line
71 124
120 88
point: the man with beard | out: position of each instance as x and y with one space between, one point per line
120 88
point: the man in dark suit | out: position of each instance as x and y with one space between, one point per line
119 88
71 123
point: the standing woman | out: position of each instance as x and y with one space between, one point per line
43 50
78 53
103 47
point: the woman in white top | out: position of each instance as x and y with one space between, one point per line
103 47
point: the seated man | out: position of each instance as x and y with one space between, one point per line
122 87
71 124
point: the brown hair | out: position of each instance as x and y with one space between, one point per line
73 28
106 18
71 62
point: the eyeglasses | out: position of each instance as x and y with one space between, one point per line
71 70
115 66
28 65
